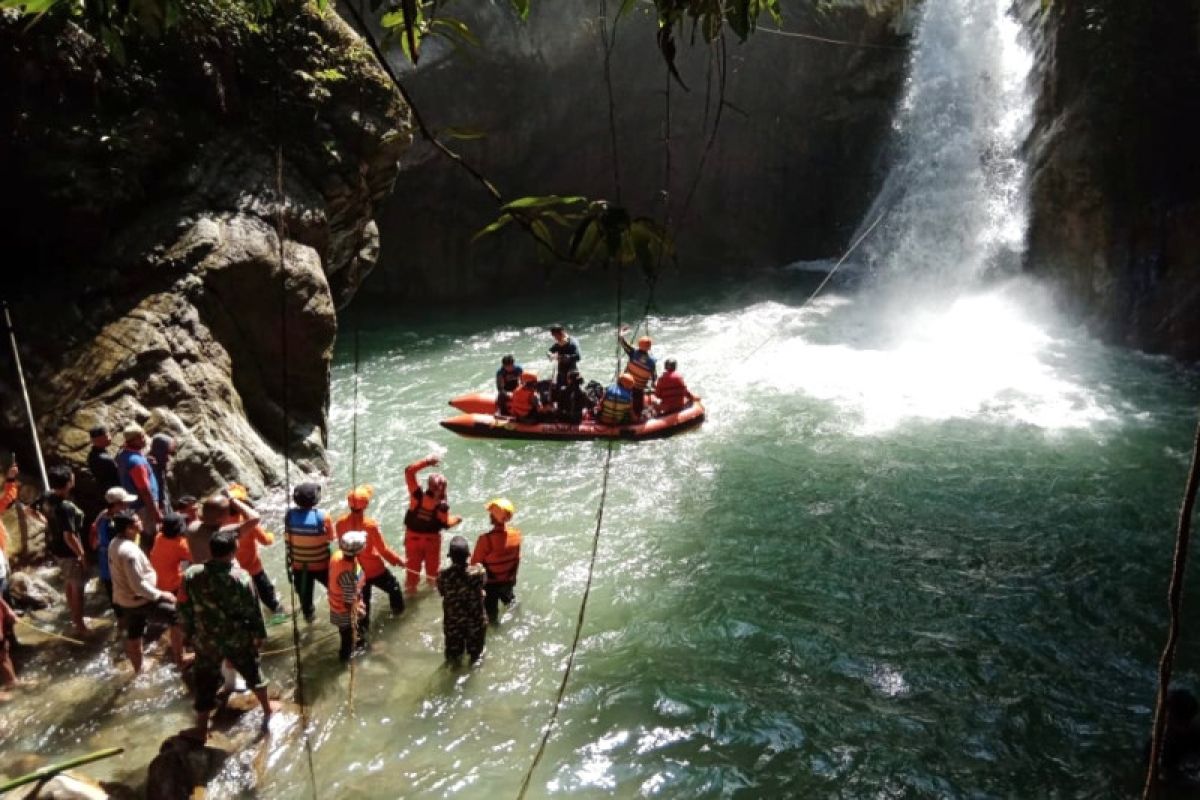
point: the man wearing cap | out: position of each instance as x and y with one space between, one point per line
375 553
565 353
100 462
116 500
136 592
137 478
220 614
308 531
499 552
428 515
464 622
346 583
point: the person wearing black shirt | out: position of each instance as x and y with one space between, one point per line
64 539
100 462
571 399
566 352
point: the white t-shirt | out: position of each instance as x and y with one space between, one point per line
134 580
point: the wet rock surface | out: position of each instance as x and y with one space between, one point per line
145 208
1115 171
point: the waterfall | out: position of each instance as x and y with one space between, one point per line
954 201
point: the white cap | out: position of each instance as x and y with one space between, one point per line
118 495
352 542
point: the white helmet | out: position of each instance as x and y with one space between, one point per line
353 542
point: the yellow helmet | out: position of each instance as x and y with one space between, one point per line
360 496
238 492
504 505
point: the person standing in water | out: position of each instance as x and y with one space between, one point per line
346 585
308 531
499 552
220 614
428 515
64 539
375 553
136 593
464 621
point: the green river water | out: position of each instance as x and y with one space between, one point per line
914 559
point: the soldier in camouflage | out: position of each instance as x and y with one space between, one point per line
220 614
464 621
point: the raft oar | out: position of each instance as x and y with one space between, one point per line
45 632
51 771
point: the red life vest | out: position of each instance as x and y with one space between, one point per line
672 392
522 402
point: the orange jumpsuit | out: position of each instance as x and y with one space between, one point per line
372 559
427 517
499 551
167 557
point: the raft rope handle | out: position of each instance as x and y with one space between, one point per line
825 281
1166 663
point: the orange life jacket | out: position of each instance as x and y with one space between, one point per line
500 554
339 565
642 367
522 401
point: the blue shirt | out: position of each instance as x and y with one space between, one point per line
128 459
104 537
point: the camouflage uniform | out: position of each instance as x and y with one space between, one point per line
220 614
464 622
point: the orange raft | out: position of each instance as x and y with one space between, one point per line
484 424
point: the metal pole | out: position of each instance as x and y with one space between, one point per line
37 446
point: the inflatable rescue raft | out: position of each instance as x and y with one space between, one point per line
480 420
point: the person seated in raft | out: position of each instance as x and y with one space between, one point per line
565 353
642 367
526 403
617 401
508 378
672 391
571 400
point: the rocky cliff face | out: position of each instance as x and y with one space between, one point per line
789 174
1115 195
142 222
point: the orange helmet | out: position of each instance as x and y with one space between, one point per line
528 377
360 496
626 380
644 343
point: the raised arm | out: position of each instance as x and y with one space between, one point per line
410 472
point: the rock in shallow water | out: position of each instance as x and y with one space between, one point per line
31 592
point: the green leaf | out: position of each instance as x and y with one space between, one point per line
500 222
392 19
454 28
584 241
542 202
544 239
466 134
521 7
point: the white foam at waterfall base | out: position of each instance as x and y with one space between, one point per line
985 355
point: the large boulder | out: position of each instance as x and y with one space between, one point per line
189 218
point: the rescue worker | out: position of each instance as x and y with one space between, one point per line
565 353
346 584
672 391
170 555
464 621
375 553
616 403
571 400
428 515
308 531
642 367
508 378
499 552
249 560
526 403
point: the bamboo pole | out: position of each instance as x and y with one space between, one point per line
54 769
37 446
